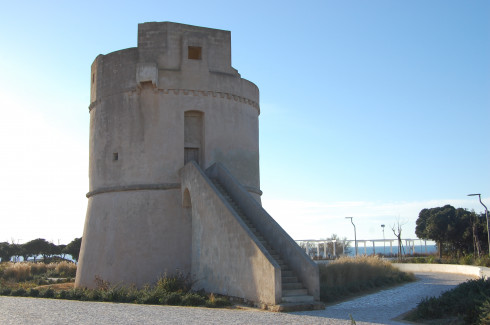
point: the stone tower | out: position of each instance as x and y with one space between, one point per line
174 170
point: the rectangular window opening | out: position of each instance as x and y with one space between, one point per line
194 53
115 156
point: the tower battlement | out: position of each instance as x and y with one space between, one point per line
172 56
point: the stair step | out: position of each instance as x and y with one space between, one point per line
289 279
304 298
292 286
294 292
287 273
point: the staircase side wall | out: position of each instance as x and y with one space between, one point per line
227 258
280 241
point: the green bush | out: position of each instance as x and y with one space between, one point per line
169 290
219 302
176 283
47 293
148 297
32 292
20 292
484 317
193 299
173 299
469 301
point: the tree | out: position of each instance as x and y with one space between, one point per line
6 252
450 228
397 231
37 247
60 250
73 248
340 244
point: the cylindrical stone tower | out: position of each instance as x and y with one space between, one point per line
172 99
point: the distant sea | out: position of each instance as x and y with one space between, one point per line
418 249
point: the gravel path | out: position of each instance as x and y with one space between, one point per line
378 308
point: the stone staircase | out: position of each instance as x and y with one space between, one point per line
294 293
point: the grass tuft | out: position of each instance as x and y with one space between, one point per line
349 276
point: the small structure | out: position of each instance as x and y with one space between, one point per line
174 173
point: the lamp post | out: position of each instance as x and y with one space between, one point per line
355 236
486 216
384 244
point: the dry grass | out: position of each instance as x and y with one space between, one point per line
26 270
346 270
353 275
17 271
65 269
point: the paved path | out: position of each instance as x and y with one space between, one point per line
378 308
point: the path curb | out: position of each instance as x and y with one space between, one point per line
476 271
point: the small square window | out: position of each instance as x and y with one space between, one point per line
194 52
115 156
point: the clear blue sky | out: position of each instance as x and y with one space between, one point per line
370 109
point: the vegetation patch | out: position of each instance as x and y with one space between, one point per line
468 303
468 259
351 276
33 280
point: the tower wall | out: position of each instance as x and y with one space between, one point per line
136 228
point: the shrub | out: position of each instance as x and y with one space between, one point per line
175 283
469 300
173 299
119 294
42 281
193 299
169 290
32 292
484 317
20 292
148 296
47 293
217 302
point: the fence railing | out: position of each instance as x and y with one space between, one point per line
332 248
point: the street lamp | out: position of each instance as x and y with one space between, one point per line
355 236
384 244
486 215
